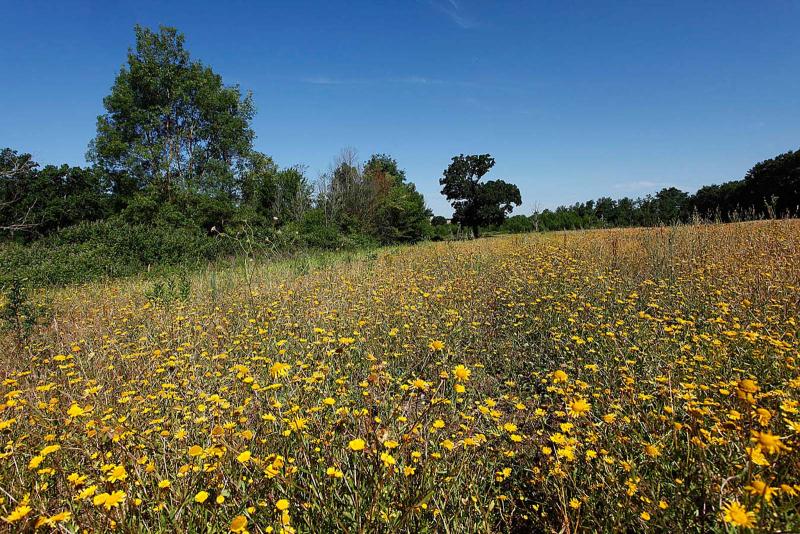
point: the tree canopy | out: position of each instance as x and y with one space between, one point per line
35 201
477 203
171 125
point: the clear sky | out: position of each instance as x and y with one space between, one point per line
574 99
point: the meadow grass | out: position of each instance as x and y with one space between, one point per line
607 380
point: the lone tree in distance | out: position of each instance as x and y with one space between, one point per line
477 203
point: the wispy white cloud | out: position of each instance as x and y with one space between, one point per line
453 11
325 80
402 80
420 80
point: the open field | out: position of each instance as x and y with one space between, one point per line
604 380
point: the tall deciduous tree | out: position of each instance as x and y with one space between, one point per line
170 123
477 203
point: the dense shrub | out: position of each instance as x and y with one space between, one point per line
517 224
114 248
111 248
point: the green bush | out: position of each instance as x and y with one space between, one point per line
517 225
111 248
315 232
440 232
115 247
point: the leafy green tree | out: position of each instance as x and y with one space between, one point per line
477 203
624 213
605 210
717 201
170 125
373 200
671 205
384 166
400 214
774 184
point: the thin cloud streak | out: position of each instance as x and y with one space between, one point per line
452 10
406 80
323 80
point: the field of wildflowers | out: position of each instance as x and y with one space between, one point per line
615 380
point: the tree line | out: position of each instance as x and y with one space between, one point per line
174 149
770 189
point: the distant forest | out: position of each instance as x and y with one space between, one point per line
770 189
174 179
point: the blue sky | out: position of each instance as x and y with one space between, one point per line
574 99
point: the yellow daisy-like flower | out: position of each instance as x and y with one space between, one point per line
18 513
356 444
461 373
279 369
117 474
652 450
762 489
578 407
559 376
53 519
109 500
436 345
238 524
736 514
387 459
757 456
334 472
769 442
